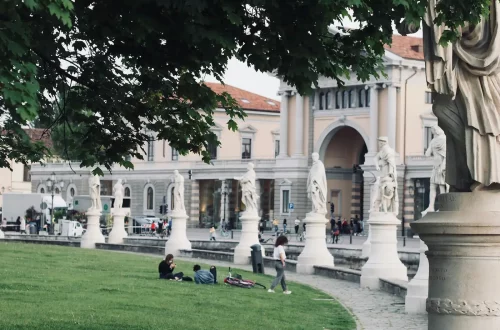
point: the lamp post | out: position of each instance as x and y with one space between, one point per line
52 184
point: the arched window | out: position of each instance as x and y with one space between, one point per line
127 192
328 100
361 97
338 97
321 101
42 190
345 99
57 191
150 198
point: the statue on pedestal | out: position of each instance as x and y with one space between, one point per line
437 149
118 192
248 191
465 80
178 191
95 192
317 186
387 198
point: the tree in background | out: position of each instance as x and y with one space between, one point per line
109 74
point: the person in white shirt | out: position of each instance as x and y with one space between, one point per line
279 256
297 225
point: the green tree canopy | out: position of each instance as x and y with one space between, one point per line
110 72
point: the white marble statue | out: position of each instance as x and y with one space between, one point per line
316 185
437 149
375 196
387 198
465 81
249 195
178 191
95 192
118 193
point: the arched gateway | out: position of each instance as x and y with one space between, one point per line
342 147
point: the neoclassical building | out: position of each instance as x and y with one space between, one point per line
342 124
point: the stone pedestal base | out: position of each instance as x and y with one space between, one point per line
2 235
118 232
464 261
93 233
249 237
367 245
419 286
178 238
383 260
315 252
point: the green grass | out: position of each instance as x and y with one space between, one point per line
51 287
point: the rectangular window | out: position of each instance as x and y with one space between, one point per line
428 97
246 146
27 173
151 149
428 136
212 149
367 95
276 148
175 154
338 98
285 199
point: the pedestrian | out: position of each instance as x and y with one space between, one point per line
279 257
275 224
284 226
18 224
262 225
22 226
212 233
336 233
153 228
160 227
4 224
304 227
169 227
297 224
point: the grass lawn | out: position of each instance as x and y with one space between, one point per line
52 287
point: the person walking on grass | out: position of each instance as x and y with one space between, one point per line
279 257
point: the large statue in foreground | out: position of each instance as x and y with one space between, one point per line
178 192
465 81
95 192
118 192
248 190
387 199
316 185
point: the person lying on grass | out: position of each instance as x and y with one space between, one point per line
166 269
204 276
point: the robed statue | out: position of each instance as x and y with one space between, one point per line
317 185
248 191
118 192
387 199
178 192
95 192
465 80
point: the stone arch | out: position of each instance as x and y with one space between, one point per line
329 132
42 189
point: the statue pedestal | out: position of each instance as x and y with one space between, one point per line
2 235
178 238
383 260
464 261
367 245
118 232
93 233
419 286
249 237
315 252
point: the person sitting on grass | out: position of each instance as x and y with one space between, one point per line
166 269
203 276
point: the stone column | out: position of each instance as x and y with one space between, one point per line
356 195
93 233
391 116
373 148
284 125
419 286
383 261
249 237
118 232
178 238
194 210
464 261
299 125
315 252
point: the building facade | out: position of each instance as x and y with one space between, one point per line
341 123
211 191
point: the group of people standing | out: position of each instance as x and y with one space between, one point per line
355 225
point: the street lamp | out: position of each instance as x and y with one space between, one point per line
52 184
225 191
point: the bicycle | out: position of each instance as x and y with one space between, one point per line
224 233
301 237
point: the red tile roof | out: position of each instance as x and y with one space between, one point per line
411 48
40 134
247 100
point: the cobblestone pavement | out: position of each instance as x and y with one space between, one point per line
375 310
